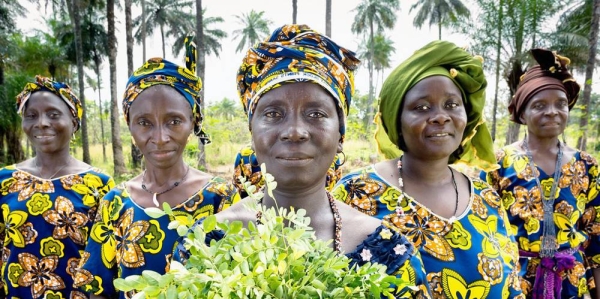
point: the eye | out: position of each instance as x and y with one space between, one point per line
272 114
422 108
175 122
54 115
563 103
143 123
317 114
452 105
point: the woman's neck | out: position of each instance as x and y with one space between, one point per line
427 171
160 177
53 160
536 144
314 200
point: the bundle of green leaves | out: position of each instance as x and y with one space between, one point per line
278 258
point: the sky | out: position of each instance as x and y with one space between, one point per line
220 72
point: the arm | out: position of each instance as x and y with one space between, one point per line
596 291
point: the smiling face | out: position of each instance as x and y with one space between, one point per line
48 122
160 122
433 118
546 114
295 132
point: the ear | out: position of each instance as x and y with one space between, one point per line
340 147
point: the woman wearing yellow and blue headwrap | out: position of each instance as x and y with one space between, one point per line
296 89
49 201
431 109
162 108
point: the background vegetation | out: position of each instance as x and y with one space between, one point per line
81 40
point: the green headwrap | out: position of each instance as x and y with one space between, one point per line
445 59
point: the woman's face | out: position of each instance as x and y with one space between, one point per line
547 113
433 118
295 132
160 122
48 122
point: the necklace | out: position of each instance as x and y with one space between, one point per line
549 232
156 194
337 230
56 172
399 210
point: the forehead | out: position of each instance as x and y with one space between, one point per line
161 98
298 94
549 94
431 85
46 100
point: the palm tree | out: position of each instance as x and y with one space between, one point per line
294 11
589 72
161 14
8 13
383 48
328 18
440 12
117 147
212 36
372 15
200 68
136 156
254 29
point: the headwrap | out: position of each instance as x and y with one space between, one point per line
62 90
296 53
158 71
438 58
550 73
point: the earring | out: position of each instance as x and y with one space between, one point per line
337 159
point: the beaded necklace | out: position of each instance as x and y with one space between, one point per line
402 193
156 194
337 230
549 232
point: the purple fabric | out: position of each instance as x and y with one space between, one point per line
548 282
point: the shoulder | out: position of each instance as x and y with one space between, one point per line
357 175
360 223
237 212
7 171
588 159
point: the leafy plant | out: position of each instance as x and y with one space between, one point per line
278 258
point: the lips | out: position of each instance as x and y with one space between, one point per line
440 134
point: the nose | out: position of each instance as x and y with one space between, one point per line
42 121
160 135
551 110
294 130
439 117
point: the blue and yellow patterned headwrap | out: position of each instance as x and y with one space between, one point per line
296 53
62 90
157 71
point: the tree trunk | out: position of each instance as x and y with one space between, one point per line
117 148
74 10
135 152
200 72
144 30
589 72
370 98
14 152
3 160
439 23
97 69
498 54
294 11
328 18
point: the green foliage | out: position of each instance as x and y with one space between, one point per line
254 28
267 260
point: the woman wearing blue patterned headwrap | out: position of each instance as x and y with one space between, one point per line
296 88
47 202
162 108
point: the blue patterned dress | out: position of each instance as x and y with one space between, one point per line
472 257
125 240
576 214
44 229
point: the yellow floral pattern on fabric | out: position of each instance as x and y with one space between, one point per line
43 232
125 241
476 252
575 214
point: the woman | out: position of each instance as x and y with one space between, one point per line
431 109
162 108
549 189
296 88
49 201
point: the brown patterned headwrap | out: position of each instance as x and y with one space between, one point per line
550 73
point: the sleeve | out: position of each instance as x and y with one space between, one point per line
246 166
491 177
591 216
98 267
340 190
225 194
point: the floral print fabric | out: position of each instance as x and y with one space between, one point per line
44 230
125 241
576 213
472 257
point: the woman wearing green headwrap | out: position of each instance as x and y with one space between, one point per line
430 116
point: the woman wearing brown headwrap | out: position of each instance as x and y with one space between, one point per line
549 189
